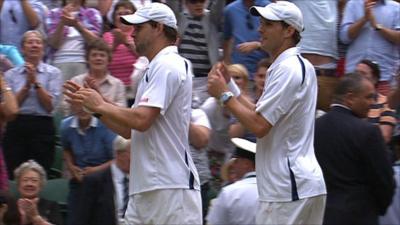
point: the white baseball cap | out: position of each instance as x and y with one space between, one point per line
157 12
281 11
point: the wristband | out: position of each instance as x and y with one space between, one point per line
234 88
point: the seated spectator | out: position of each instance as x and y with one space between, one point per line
105 194
37 87
123 47
17 17
237 203
31 208
98 57
87 146
69 29
379 113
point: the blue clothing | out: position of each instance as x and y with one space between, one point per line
320 27
12 54
91 147
240 25
49 78
370 44
14 23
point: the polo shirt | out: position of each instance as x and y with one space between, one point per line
161 155
287 169
90 147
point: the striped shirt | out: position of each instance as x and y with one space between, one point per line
122 62
380 113
193 46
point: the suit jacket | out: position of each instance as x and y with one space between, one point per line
358 176
97 205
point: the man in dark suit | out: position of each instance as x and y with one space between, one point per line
105 193
351 153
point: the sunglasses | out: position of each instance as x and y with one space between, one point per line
12 15
249 22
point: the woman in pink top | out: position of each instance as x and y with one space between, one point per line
123 48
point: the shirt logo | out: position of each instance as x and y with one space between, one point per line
144 100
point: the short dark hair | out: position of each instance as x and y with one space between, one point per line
100 45
170 33
265 62
296 36
122 3
376 72
352 82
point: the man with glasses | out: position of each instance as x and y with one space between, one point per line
164 184
199 38
239 27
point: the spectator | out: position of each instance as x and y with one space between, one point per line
240 27
372 36
352 155
379 113
17 17
69 29
199 133
105 193
105 6
31 208
37 87
319 44
12 55
98 56
87 145
237 202
123 47
8 111
199 38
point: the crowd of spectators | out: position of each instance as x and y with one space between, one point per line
45 43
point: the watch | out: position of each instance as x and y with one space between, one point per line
378 27
37 85
224 98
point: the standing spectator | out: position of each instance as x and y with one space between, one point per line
69 29
352 155
87 145
372 36
17 17
37 87
240 27
290 181
199 134
105 193
161 170
123 47
98 56
199 41
8 111
379 112
237 202
319 44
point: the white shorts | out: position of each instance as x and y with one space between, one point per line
165 206
303 211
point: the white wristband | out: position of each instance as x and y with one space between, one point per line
234 88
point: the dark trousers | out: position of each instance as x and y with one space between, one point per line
204 199
29 137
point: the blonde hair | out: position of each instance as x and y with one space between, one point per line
238 69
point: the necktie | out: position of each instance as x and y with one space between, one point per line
125 193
